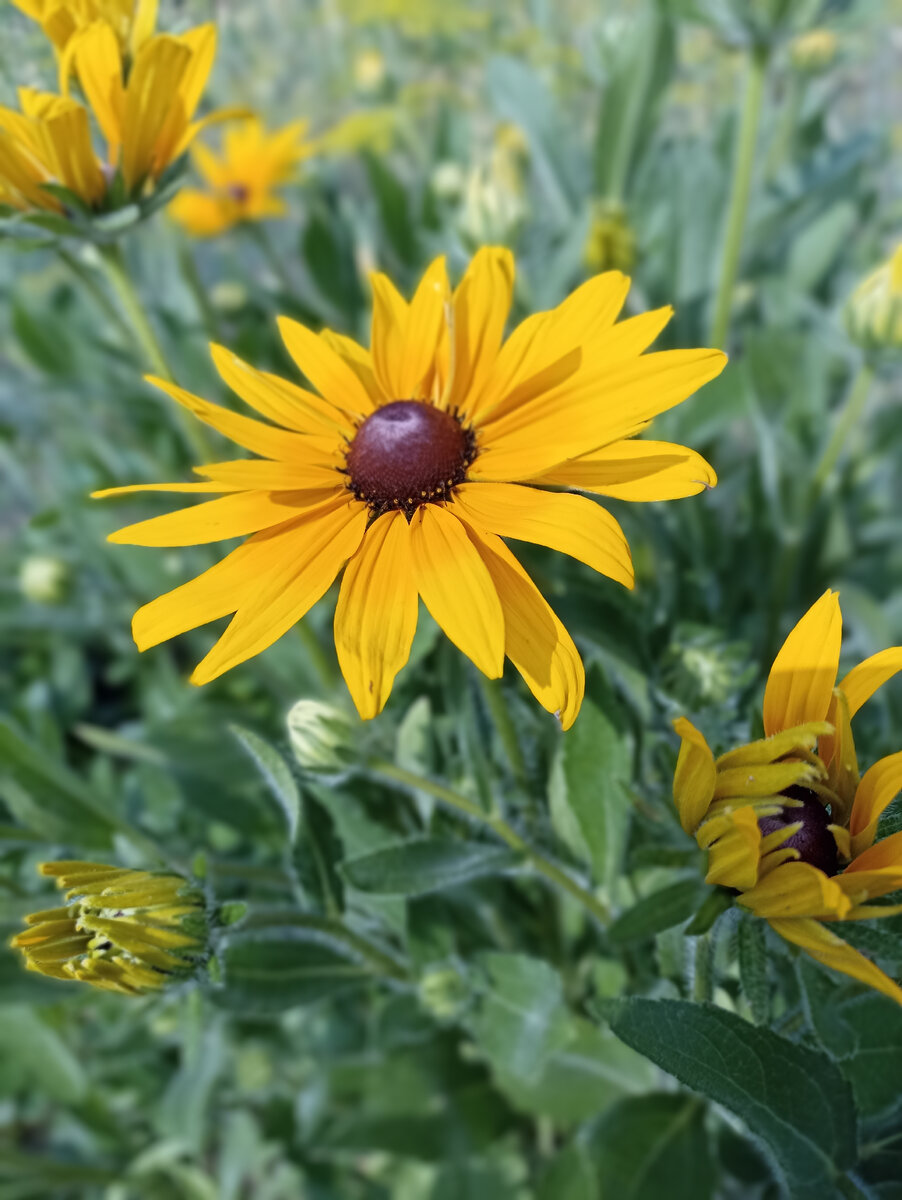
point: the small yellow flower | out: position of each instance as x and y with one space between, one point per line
121 930
132 21
369 71
241 180
874 310
411 461
787 821
813 52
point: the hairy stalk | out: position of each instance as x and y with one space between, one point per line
553 873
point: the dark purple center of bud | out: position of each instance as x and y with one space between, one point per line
406 454
814 841
239 192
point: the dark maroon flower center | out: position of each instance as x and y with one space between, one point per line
814 841
406 454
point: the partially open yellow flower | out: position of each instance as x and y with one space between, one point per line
241 180
874 310
412 460
48 142
787 821
132 21
119 929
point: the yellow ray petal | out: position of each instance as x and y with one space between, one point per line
422 327
95 55
376 615
885 854
733 842
480 306
838 751
768 750
764 779
824 946
573 525
634 470
360 360
877 789
201 214
130 488
215 520
693 779
801 680
325 368
153 85
457 588
862 681
259 474
282 402
534 639
310 555
797 889
390 311
176 130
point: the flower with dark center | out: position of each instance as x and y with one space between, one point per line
814 841
404 465
408 453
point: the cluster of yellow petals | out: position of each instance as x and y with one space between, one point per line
132 21
808 744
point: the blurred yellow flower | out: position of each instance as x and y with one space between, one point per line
132 21
411 461
874 310
241 180
814 51
419 17
369 71
787 821
611 244
120 930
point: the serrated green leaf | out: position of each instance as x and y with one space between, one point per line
661 910
753 966
276 774
423 865
34 1055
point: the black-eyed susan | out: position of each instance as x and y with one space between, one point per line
241 180
119 929
412 460
48 142
787 821
132 21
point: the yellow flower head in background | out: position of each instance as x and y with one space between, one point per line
132 21
874 310
814 51
121 930
408 462
241 180
787 821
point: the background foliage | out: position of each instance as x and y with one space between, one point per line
407 1009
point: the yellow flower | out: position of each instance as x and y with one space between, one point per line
132 21
814 51
121 930
874 310
48 142
412 460
242 178
761 810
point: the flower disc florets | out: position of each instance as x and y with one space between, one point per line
813 841
408 453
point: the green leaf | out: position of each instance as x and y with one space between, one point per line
34 1055
753 967
267 974
394 210
276 774
794 1098
569 1176
652 1146
521 1019
661 910
423 865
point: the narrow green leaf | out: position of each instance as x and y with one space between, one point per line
753 967
423 865
276 774
281 970
661 910
33 1055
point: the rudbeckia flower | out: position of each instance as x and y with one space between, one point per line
119 929
241 180
132 21
412 460
787 821
48 142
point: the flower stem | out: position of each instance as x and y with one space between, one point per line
848 419
317 654
494 699
740 190
553 873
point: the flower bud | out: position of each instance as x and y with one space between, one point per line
873 312
443 992
611 244
43 578
369 71
119 929
321 736
448 180
813 52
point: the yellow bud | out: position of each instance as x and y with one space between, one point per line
873 312
611 244
813 52
369 71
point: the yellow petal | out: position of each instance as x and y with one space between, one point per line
307 557
150 98
376 615
763 779
635 470
457 588
693 779
824 946
325 368
423 325
68 136
130 488
259 474
801 680
877 789
390 311
278 400
862 681
573 525
97 60
480 307
202 214
838 751
215 520
534 639
360 360
733 842
768 750
885 854
797 889
187 88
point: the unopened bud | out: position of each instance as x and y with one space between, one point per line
444 993
813 52
874 310
43 578
321 736
611 244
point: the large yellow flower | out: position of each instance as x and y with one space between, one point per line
241 180
49 141
412 460
131 20
787 821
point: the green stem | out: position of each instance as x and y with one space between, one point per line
494 698
194 283
846 422
501 829
317 654
125 291
703 982
87 280
740 190
384 963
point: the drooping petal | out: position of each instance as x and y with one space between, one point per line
768 750
830 950
801 680
733 841
878 787
376 615
573 525
325 368
310 554
480 307
457 588
534 639
693 779
215 520
862 681
765 779
797 889
634 470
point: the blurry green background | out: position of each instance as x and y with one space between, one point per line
448 125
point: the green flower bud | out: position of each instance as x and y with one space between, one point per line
321 736
611 244
813 52
873 313
444 993
43 578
